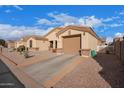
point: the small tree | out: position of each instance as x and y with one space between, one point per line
21 48
2 42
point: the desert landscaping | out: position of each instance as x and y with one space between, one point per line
56 67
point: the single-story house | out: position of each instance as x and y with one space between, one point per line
69 40
72 39
22 41
10 44
37 43
33 42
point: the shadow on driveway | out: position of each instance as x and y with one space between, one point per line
112 69
7 79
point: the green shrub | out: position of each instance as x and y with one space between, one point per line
21 48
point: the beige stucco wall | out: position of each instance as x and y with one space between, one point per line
88 41
19 43
92 42
52 37
33 43
40 44
11 45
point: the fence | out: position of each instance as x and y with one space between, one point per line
105 48
119 48
122 50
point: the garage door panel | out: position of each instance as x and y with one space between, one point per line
71 44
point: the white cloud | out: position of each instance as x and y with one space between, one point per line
115 25
91 21
8 31
44 22
7 11
109 39
110 18
122 12
118 34
18 7
65 19
122 21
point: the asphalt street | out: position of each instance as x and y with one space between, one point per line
7 79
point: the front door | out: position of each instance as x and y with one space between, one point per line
30 43
55 43
51 44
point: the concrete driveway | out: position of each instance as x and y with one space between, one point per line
45 70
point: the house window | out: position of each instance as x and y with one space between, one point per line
51 44
55 43
30 43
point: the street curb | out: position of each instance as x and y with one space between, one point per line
21 76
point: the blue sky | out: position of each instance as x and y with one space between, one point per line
17 21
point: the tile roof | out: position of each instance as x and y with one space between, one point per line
79 28
57 28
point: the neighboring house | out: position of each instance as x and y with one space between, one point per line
72 39
10 44
33 42
22 41
67 40
37 43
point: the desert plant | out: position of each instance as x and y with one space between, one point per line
26 54
21 48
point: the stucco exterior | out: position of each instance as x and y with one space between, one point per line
53 37
54 40
10 44
88 40
38 44
20 43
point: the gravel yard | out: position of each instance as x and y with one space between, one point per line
35 56
103 71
